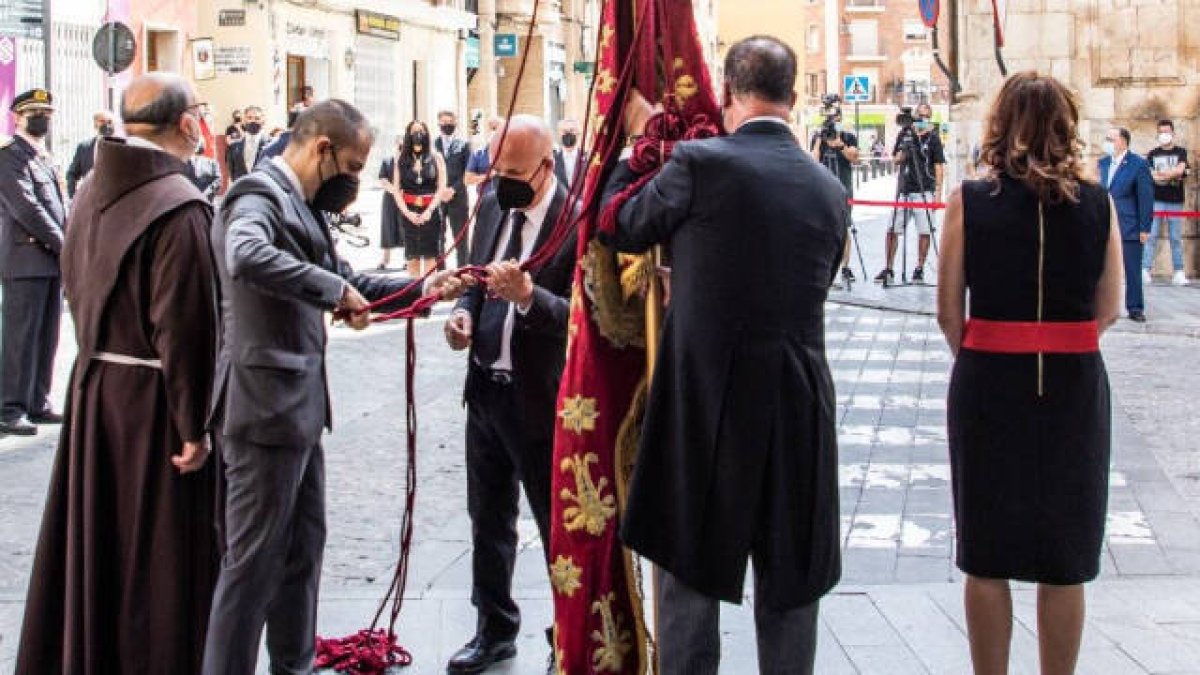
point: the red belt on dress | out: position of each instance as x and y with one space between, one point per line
419 201
1031 337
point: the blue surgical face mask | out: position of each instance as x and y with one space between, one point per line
923 124
1110 148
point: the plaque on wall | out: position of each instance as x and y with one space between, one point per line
231 18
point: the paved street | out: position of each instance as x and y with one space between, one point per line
898 609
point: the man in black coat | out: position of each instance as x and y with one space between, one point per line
243 154
457 152
517 343
738 455
31 239
85 152
566 155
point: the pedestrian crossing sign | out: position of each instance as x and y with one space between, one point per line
856 89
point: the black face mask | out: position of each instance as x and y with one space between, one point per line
37 126
514 193
337 192
449 129
420 138
252 128
569 140
106 130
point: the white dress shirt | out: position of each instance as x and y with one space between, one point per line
535 218
570 159
250 150
1112 168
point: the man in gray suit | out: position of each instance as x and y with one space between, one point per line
279 274
31 239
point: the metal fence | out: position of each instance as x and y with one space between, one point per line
77 83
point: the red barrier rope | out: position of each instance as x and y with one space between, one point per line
937 206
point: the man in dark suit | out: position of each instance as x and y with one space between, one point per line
31 240
279 274
517 343
205 173
243 154
85 152
566 155
738 454
1127 177
456 152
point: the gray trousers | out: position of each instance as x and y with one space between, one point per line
30 316
689 635
271 571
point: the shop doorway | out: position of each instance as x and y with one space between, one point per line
296 79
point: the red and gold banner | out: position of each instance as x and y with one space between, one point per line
597 600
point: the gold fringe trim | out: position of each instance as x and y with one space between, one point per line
619 315
624 459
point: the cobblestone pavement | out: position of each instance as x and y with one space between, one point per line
898 609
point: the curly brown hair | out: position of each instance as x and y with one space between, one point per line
1032 135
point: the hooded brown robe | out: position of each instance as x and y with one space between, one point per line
127 557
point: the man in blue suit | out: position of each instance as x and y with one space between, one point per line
1127 177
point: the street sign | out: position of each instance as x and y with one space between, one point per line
506 45
472 52
113 47
929 12
856 89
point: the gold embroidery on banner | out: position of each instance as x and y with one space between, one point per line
579 414
605 82
620 318
592 508
606 36
565 576
686 87
615 640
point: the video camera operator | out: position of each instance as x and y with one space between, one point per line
920 181
837 149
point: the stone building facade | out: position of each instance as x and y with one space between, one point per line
1131 62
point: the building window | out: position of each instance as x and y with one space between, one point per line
864 38
915 31
812 85
814 38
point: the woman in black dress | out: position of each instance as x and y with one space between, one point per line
422 174
1035 245
391 229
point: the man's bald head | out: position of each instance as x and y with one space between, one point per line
526 140
527 154
163 108
156 100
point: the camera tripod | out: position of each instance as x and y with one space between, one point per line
909 167
830 163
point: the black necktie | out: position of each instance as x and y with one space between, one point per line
489 336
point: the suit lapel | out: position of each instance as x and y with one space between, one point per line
312 232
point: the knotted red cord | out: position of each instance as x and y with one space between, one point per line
652 152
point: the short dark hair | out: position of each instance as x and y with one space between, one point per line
444 113
163 110
761 66
1167 123
1125 135
335 118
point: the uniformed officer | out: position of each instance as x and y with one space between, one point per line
31 238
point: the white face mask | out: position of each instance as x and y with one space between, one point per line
1110 148
1165 138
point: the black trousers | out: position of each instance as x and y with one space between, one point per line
457 212
271 571
31 314
502 453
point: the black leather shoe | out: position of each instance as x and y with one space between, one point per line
1138 317
18 427
47 417
478 655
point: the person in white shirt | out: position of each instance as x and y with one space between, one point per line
566 157
516 331
243 154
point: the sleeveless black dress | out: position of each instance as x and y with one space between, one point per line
391 227
423 241
1029 469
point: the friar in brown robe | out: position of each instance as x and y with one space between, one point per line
128 554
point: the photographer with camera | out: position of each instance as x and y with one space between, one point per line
921 160
837 149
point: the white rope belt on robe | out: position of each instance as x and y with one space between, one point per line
122 360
